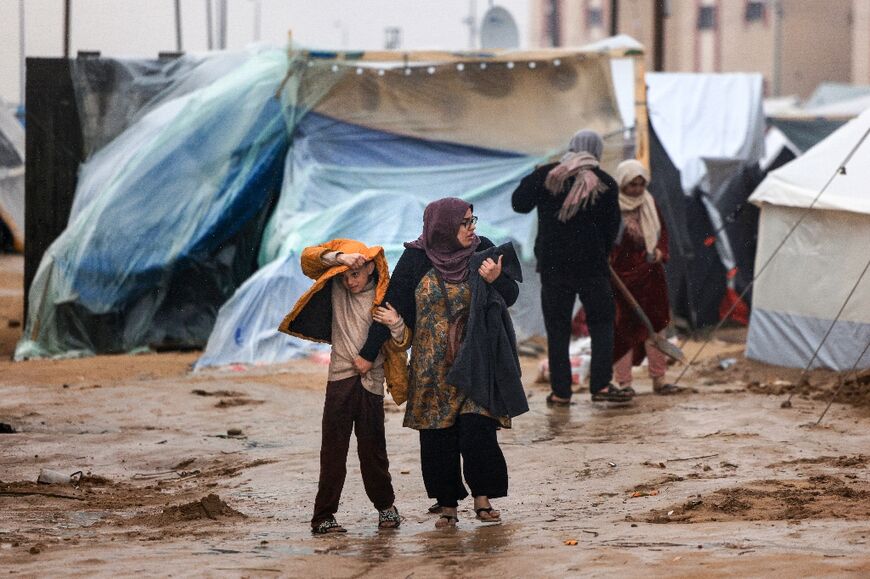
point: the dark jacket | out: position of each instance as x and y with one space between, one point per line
410 269
487 367
569 252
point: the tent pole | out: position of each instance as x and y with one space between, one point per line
641 117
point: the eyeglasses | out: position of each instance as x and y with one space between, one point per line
466 223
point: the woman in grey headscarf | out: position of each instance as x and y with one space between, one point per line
578 220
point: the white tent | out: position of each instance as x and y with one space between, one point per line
797 296
12 175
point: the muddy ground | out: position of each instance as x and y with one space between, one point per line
717 481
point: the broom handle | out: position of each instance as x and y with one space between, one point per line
630 298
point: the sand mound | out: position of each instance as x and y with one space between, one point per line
210 507
818 497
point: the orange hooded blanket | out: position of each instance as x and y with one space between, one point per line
311 317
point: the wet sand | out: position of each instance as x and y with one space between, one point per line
717 481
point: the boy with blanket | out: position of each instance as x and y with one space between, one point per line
350 281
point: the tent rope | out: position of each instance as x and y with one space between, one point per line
840 170
845 379
806 370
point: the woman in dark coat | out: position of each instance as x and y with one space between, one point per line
451 424
638 259
578 220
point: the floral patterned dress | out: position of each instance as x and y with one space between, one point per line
432 403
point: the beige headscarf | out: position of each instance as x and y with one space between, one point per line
583 156
650 225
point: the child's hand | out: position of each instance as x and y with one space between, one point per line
386 315
352 260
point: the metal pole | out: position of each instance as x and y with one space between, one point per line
178 45
209 25
659 35
614 17
258 20
67 23
22 51
222 24
777 47
471 21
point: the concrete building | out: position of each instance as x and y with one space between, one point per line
795 44
861 42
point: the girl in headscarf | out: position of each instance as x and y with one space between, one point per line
578 220
451 425
638 259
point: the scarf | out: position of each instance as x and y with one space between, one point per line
650 226
584 153
441 222
586 185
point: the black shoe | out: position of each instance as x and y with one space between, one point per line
611 393
553 402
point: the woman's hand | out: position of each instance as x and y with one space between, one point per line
489 270
386 315
351 260
657 256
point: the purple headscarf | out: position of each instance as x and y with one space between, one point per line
441 221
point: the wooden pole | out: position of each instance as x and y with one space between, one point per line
641 116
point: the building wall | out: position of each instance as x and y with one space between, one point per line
861 42
816 44
747 45
821 40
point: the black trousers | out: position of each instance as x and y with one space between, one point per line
473 438
557 303
350 407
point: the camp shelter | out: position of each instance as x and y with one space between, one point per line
803 284
11 181
391 132
221 178
706 138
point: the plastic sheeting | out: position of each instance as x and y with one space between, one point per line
704 119
383 142
167 228
12 177
169 216
112 94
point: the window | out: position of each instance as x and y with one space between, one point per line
754 11
594 18
707 18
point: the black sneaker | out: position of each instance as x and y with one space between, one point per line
611 393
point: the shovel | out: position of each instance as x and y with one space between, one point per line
659 343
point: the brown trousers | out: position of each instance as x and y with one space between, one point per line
349 406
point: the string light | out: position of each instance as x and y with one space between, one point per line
334 68
460 67
557 62
510 65
482 66
532 65
431 70
381 72
407 72
359 71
